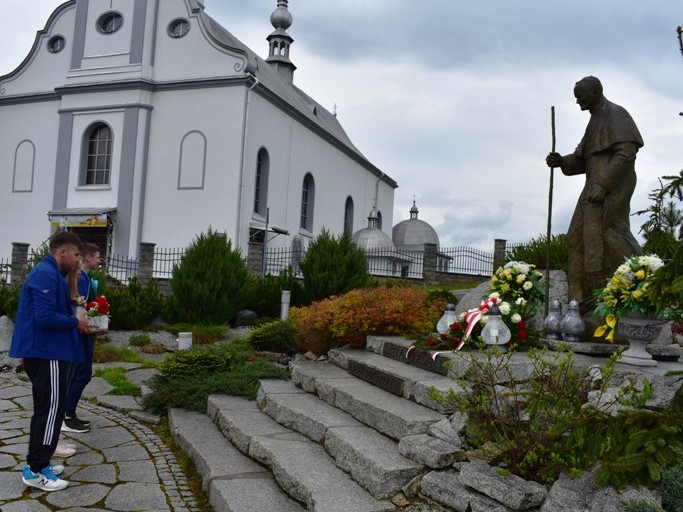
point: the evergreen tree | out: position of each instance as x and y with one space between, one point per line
333 266
211 283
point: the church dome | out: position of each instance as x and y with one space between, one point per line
414 232
372 237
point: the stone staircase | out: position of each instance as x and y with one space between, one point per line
345 435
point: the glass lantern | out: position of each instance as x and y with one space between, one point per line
553 321
572 325
495 332
448 319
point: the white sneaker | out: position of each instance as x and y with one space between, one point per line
46 480
64 450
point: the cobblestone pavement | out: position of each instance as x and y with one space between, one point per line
119 465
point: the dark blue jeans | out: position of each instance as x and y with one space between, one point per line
79 376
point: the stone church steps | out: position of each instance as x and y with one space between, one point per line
301 466
233 482
395 376
387 413
373 460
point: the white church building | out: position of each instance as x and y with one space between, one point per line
146 121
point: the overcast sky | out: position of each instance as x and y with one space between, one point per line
452 98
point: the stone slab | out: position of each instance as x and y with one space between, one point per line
305 471
213 455
372 459
445 488
304 413
376 377
416 382
249 495
240 426
97 387
305 373
123 403
393 416
429 451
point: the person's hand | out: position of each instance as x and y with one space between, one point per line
595 193
83 325
554 160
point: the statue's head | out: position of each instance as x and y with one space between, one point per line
588 92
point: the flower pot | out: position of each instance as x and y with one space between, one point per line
99 323
639 331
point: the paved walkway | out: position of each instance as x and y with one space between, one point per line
119 465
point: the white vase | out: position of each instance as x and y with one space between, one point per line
639 331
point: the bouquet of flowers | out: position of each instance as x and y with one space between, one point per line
627 293
454 339
518 287
97 313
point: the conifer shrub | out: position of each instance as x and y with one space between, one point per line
9 301
188 377
267 293
211 283
641 506
274 336
133 306
350 318
672 489
333 266
139 340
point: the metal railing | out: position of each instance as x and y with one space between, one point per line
165 261
121 268
467 260
5 270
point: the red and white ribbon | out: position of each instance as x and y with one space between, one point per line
474 315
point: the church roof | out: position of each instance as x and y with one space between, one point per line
281 88
414 232
372 237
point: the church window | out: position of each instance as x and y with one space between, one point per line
348 216
261 185
307 203
379 219
109 22
178 28
56 44
98 140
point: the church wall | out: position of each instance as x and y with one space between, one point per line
175 212
23 213
193 55
294 151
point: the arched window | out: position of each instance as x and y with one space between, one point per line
98 149
307 203
379 219
348 216
261 185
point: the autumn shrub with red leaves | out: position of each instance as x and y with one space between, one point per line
350 318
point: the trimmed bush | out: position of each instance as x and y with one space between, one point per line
9 301
195 361
274 336
211 283
350 318
333 266
133 306
139 340
267 293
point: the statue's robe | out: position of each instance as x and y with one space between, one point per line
599 235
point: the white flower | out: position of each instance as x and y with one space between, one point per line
504 308
494 295
516 318
521 301
484 319
528 285
652 261
461 316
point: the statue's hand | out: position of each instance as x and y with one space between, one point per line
595 193
554 160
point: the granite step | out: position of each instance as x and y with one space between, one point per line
301 466
234 483
389 414
373 460
395 376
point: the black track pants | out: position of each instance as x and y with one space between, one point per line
49 379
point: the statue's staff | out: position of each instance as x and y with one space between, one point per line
550 218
